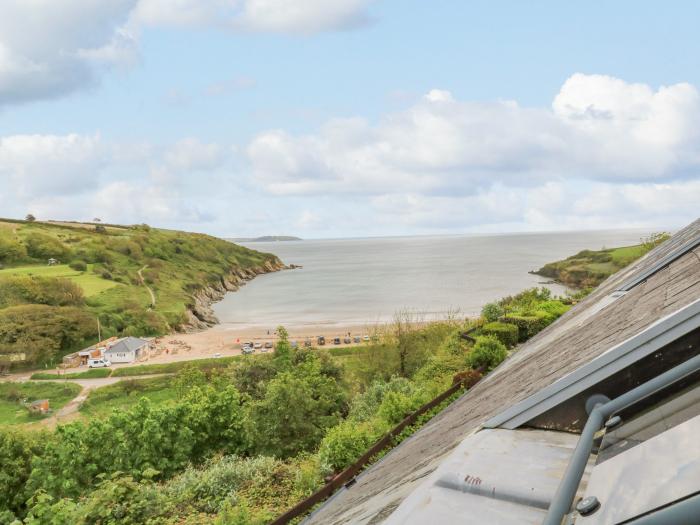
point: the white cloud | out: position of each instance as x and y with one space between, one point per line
36 165
600 128
49 48
302 16
274 16
190 155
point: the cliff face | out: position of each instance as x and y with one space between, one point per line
199 315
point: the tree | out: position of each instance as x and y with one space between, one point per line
283 350
298 407
30 218
411 354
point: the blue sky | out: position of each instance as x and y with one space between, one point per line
352 117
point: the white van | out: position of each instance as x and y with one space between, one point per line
99 362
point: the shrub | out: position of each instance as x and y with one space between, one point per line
106 275
40 246
343 444
365 406
214 485
78 266
488 352
11 250
396 406
506 333
492 312
529 325
554 308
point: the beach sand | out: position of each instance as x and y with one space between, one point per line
226 340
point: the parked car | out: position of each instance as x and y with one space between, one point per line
336 341
357 339
257 346
99 363
247 349
268 344
347 340
321 340
365 338
217 355
294 344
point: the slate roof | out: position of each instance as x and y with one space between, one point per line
591 328
127 344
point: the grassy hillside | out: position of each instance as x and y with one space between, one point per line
589 268
104 271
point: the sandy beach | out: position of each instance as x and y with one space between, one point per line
226 340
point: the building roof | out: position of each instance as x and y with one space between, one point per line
658 290
126 344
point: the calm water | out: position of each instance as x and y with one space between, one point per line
368 280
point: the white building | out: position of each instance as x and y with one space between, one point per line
127 350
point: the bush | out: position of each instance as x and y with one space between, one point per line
488 352
11 250
529 325
215 484
78 266
40 246
506 333
554 308
396 406
492 312
365 406
343 444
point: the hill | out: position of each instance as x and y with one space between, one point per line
589 268
137 280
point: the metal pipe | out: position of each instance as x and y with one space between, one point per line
566 492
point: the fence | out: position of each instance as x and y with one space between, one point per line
347 476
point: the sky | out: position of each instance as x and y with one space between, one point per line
354 118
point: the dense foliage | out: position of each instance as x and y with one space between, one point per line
239 444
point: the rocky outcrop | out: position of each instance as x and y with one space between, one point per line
199 315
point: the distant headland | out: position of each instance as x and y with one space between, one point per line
266 238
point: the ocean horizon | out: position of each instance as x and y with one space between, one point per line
368 280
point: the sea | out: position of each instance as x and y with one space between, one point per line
370 280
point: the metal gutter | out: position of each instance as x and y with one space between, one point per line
601 411
646 342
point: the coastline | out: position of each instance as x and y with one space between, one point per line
200 315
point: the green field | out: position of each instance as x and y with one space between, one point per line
92 373
589 268
171 368
126 393
90 283
13 413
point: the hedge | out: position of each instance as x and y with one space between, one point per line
506 333
529 325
